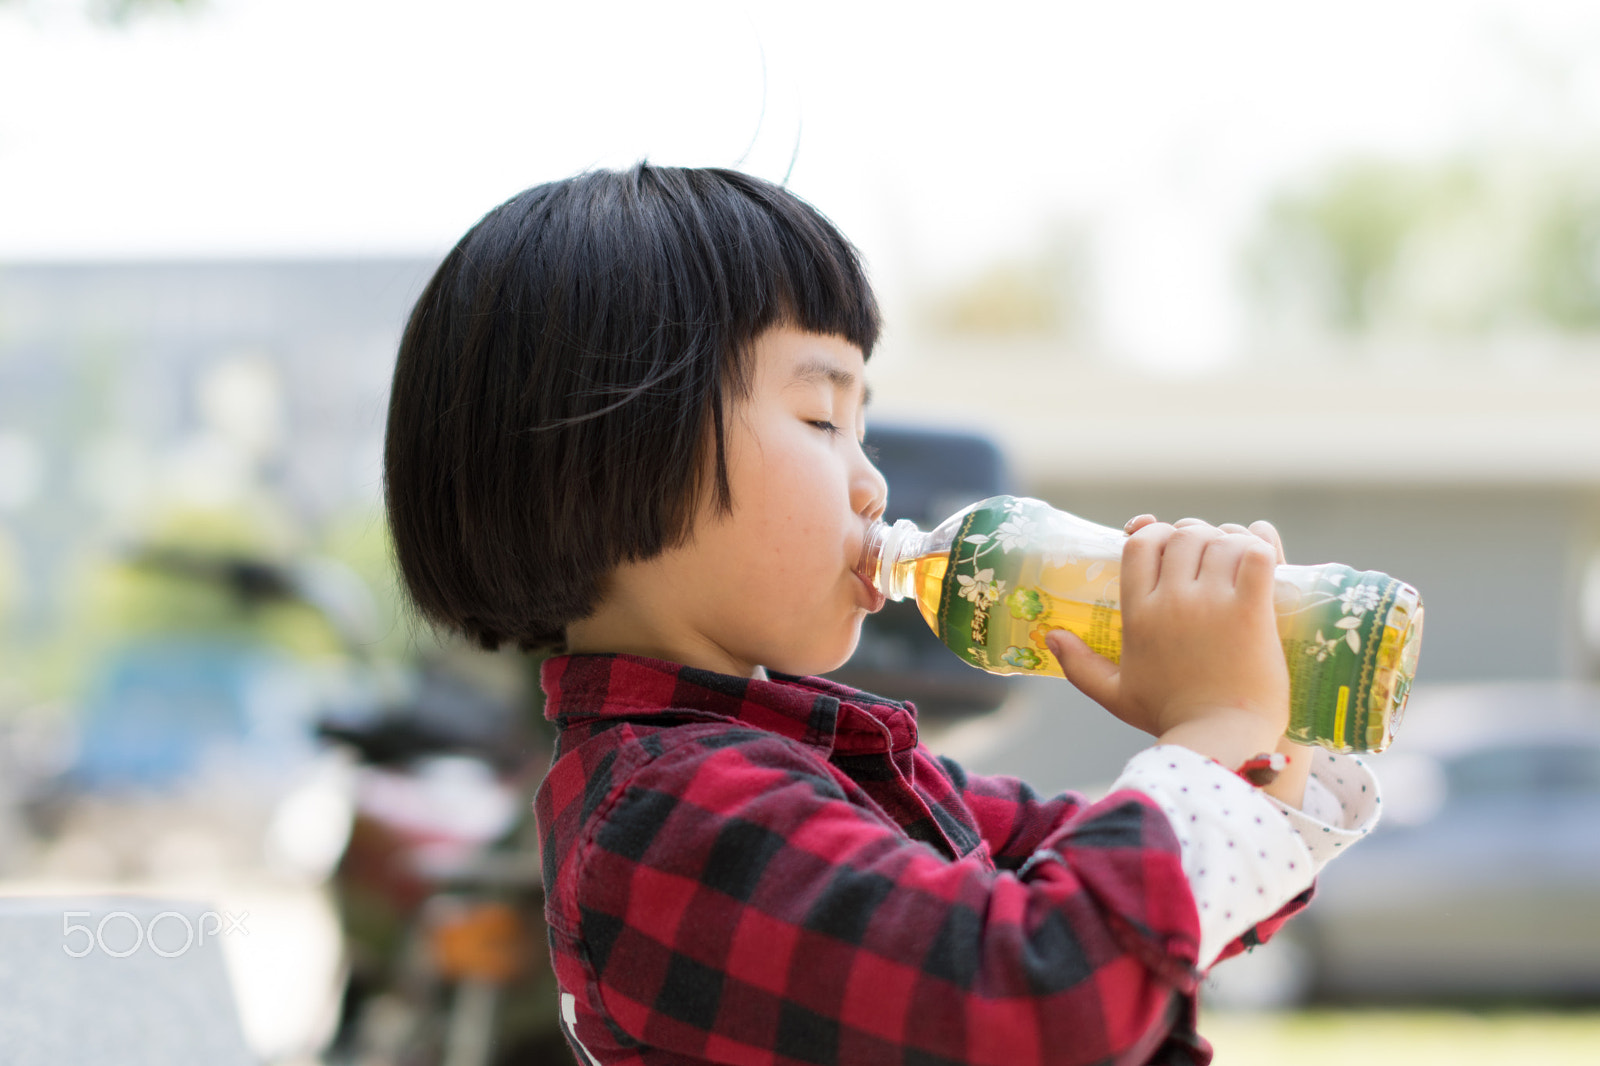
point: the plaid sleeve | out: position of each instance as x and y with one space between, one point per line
1015 820
737 904
1012 817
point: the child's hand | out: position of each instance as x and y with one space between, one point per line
1202 664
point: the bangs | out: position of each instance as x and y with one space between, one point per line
778 261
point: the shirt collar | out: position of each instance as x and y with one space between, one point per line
583 689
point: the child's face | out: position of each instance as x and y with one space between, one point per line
771 584
777 579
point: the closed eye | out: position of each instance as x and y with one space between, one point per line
833 430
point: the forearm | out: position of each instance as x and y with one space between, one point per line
1290 784
1232 738
1229 737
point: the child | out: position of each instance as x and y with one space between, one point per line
625 425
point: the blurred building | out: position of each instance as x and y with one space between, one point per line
127 386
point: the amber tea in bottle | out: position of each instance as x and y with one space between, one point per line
994 578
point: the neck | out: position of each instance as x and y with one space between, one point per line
631 626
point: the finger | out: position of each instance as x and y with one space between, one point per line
1257 568
1183 522
1232 527
1090 672
1219 565
1137 523
1180 560
1269 533
1141 560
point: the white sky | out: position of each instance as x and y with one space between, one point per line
938 135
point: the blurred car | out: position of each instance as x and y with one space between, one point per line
1482 880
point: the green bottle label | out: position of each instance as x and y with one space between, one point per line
1018 569
1343 641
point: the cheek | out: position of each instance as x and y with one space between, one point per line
787 538
795 488
792 543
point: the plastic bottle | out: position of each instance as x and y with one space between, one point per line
994 578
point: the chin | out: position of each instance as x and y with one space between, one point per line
840 655
817 658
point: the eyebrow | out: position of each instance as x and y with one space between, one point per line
840 378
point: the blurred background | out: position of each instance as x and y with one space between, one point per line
1337 266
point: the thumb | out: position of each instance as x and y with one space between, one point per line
1090 672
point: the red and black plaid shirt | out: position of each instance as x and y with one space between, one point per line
775 872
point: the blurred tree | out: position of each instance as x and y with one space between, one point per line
10 580
359 538
1041 293
110 602
1564 282
1340 240
121 12
1481 244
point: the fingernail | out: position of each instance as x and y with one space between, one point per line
1058 640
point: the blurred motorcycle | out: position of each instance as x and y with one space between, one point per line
441 888
398 795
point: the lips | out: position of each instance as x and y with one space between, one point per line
875 599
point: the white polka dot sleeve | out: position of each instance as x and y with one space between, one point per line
1341 805
1243 857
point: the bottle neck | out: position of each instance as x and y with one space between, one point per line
885 556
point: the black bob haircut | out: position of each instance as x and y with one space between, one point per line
564 382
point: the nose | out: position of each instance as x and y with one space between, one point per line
869 490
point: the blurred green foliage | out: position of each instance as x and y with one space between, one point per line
359 538
106 601
113 601
1484 1035
1565 280
1470 246
121 13
1042 292
10 576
